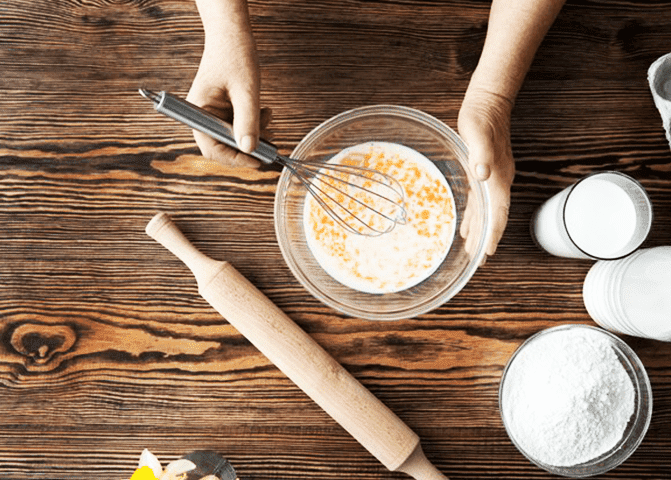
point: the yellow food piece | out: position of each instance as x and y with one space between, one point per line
143 473
406 255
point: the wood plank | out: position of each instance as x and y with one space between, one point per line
106 346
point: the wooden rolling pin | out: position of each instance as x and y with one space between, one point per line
299 357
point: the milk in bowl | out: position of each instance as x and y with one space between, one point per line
403 257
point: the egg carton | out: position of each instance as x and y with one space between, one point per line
659 78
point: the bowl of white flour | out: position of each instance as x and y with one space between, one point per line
420 264
575 400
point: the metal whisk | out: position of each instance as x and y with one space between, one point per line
362 200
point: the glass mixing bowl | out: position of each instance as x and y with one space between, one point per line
638 423
426 135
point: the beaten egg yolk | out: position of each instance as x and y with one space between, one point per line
410 252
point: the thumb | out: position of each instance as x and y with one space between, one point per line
480 159
246 117
482 171
481 155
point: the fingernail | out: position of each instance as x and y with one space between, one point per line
247 144
482 171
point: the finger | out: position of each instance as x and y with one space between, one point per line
499 222
246 116
465 227
209 147
471 244
219 152
213 99
500 198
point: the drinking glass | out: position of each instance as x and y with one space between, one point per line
605 215
631 295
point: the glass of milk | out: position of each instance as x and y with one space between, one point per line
631 295
603 216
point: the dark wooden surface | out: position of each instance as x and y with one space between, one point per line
105 345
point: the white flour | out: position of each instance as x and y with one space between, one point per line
567 398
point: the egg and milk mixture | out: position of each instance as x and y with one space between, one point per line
407 255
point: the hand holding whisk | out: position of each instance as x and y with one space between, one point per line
362 200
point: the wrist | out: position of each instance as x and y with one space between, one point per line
224 18
483 96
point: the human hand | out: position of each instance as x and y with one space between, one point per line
484 125
227 84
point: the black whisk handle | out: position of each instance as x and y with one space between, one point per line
203 121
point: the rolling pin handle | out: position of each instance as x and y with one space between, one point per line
419 467
162 229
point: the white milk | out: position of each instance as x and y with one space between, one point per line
600 218
606 215
408 254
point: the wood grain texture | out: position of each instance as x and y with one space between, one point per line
105 345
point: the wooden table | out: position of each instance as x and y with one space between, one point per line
106 346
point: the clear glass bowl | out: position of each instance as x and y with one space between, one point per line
636 428
428 136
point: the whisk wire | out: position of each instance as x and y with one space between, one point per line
331 186
349 215
319 194
361 172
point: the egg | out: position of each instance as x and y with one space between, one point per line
410 252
